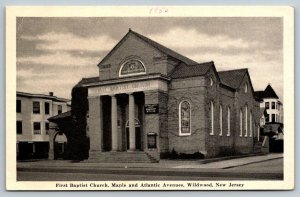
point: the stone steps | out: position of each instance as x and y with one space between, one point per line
120 157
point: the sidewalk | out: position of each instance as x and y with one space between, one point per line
163 164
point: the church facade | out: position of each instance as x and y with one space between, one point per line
148 98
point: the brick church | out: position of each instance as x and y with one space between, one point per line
148 99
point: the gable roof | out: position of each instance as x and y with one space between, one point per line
233 78
154 44
164 49
184 70
267 93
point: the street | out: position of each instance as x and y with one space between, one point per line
264 170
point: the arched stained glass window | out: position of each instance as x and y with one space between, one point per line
132 67
184 118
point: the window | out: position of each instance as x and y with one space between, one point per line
273 118
19 127
47 108
212 118
36 128
241 123
211 81
36 107
19 106
246 121
221 121
184 118
228 121
47 128
267 105
273 105
246 88
267 118
59 109
250 135
132 67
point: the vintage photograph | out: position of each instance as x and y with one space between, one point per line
149 103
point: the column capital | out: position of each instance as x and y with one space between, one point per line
129 93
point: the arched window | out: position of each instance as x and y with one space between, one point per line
184 118
132 67
228 121
212 118
246 121
250 124
211 81
241 123
246 87
221 120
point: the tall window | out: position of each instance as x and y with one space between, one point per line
47 128
273 118
59 109
36 128
246 121
19 106
47 108
228 121
36 107
246 88
241 123
251 124
267 105
221 120
19 127
273 105
212 118
184 118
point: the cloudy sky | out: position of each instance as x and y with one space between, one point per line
53 54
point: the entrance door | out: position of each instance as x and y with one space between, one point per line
137 138
137 135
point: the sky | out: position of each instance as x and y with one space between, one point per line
54 54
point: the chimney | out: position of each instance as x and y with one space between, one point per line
51 93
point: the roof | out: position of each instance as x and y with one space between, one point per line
232 78
164 49
267 93
184 70
60 116
154 44
42 96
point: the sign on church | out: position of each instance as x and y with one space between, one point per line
151 109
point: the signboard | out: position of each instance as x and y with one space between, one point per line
151 109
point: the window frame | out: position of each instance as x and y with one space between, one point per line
241 123
228 120
246 121
45 104
190 119
47 129
35 130
221 120
212 118
35 107
19 103
21 127
59 111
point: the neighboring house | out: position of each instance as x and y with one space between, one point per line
33 110
148 99
271 120
270 106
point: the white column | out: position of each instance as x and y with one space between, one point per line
131 123
114 123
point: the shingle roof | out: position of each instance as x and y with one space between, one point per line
184 70
267 93
232 78
164 49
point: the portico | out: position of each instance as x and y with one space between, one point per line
117 121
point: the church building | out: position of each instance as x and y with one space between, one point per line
148 99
